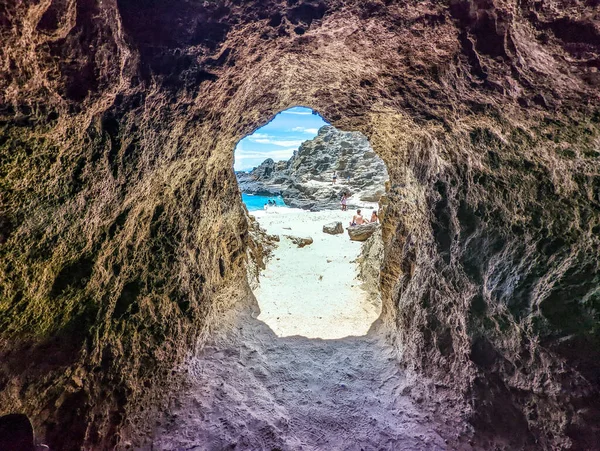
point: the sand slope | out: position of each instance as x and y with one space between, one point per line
251 390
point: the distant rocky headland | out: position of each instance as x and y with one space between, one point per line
305 180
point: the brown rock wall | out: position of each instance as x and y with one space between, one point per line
122 229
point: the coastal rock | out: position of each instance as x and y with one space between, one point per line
305 180
264 180
369 264
299 241
333 228
362 232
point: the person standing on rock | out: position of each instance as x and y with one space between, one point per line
344 202
334 177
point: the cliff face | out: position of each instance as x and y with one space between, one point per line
122 235
305 180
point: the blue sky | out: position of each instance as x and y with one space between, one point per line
278 139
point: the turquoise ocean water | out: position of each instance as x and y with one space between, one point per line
254 203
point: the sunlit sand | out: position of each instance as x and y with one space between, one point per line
313 291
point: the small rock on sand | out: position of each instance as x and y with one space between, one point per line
299 241
333 228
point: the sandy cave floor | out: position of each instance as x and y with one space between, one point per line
251 389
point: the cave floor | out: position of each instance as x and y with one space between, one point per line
250 390
311 376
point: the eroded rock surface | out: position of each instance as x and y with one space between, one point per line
362 232
369 265
260 249
299 241
333 228
123 239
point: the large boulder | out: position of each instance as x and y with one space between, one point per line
333 228
362 232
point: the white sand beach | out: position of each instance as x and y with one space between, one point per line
313 291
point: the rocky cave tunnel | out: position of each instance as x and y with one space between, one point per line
309 277
123 241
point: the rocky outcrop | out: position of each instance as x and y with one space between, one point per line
305 180
260 247
299 241
123 240
362 232
369 265
265 180
333 228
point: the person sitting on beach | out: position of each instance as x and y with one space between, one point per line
374 217
344 202
357 219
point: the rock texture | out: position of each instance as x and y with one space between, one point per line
260 247
362 232
299 241
305 180
123 238
267 179
369 265
333 228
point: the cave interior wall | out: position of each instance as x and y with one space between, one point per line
122 235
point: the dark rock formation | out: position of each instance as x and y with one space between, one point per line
362 232
333 228
305 180
122 234
16 433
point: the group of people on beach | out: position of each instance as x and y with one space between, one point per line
358 218
270 203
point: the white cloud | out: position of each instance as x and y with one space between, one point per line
299 113
248 159
310 131
255 136
279 142
261 138
282 154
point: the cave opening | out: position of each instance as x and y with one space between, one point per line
313 270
